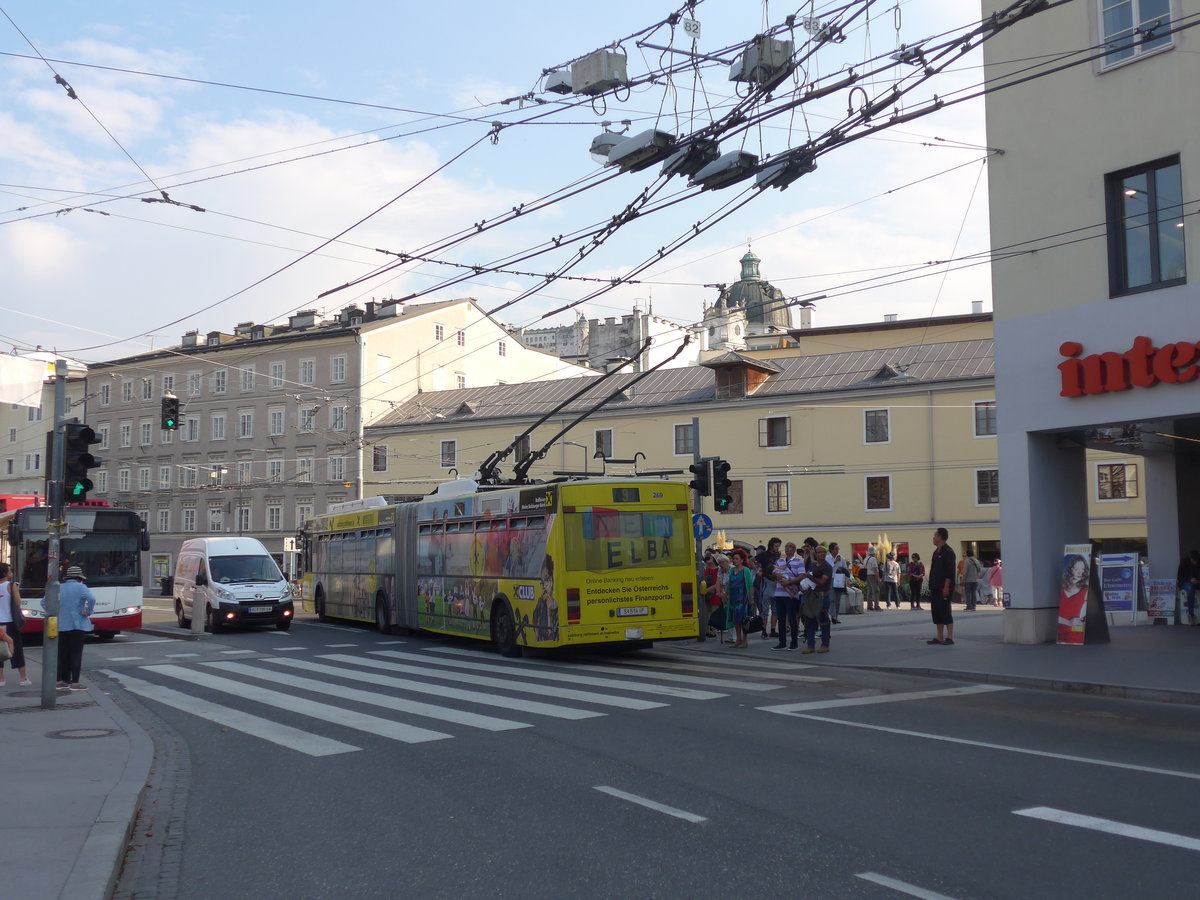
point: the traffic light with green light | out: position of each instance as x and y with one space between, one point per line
77 460
170 412
721 485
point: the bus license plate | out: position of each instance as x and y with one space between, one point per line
260 609
633 634
633 611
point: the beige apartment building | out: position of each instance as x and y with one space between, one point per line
1092 202
272 417
892 438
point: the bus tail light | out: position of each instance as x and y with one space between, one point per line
686 602
572 606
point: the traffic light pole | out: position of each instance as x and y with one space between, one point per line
54 543
697 500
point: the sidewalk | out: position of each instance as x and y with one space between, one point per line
77 772
1146 661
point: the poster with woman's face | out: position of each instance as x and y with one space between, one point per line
1073 593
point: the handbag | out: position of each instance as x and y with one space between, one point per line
717 619
753 623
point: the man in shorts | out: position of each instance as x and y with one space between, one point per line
941 587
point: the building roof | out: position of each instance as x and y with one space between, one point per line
855 370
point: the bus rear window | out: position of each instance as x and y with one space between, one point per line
599 539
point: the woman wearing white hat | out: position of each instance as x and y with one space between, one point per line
75 605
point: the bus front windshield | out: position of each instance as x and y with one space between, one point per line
600 539
244 569
107 560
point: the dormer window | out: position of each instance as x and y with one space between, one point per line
731 383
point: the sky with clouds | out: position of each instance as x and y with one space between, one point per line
275 128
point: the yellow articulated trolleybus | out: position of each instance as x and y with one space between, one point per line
593 561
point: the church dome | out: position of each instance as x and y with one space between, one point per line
763 303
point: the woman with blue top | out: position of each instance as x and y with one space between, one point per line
739 593
75 605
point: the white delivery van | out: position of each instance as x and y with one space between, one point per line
231 581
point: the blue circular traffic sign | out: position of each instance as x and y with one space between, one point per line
701 526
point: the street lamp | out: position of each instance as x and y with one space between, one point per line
585 454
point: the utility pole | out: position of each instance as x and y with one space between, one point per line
701 601
54 543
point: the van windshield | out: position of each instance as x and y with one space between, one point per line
244 569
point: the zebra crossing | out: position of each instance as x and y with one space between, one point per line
419 696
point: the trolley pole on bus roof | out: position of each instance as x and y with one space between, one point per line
54 543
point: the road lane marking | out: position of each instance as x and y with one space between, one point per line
519 687
126 643
902 886
397 704
124 658
180 655
710 658
521 671
651 804
1108 826
393 642
338 715
438 690
341 645
704 667
238 651
282 649
789 708
256 726
1065 757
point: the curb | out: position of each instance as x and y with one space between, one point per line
94 875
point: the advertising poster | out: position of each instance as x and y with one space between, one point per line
1160 597
1118 581
1073 593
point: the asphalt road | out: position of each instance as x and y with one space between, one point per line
333 761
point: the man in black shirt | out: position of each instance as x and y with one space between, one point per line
764 585
941 587
815 606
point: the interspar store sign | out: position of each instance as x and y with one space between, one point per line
1142 365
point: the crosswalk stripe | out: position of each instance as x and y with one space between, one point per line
525 671
397 731
412 707
662 676
255 726
406 684
542 690
767 665
703 667
795 708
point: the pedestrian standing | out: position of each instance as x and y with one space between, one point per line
11 620
739 589
996 583
916 580
1187 579
765 561
871 567
815 606
891 581
789 572
75 605
941 587
971 570
840 583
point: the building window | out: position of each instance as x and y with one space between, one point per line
875 426
192 428
337 369
164 478
449 454
275 420
164 521
379 458
143 478
102 433
243 519
522 448
460 380
145 434
168 384
777 496
775 431
247 378
126 391
985 418
685 440
12 435
189 520
188 475
304 468
218 381
306 420
164 436
274 518
337 468
126 434
604 442
503 348
245 471
879 492
246 423
216 521
462 338
33 462
147 388
274 470
308 371
439 332
218 427
304 512
337 418
1118 481
105 394
275 381
1133 28
193 384
987 487
1145 228
34 414
10 466
122 479
101 482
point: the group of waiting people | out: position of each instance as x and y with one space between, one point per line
798 586
977 584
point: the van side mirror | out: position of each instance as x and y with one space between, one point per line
201 579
